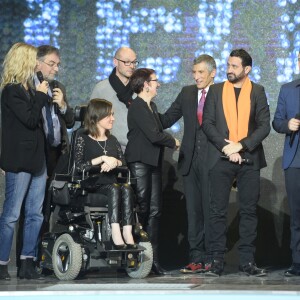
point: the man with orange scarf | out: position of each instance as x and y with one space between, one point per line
236 120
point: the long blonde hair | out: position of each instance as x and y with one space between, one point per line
19 64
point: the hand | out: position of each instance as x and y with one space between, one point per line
232 148
236 158
294 124
105 168
43 87
58 97
112 162
177 144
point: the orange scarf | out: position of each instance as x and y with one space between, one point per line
237 113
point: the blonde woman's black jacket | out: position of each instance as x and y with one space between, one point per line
23 139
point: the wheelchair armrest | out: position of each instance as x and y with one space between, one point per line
123 175
66 177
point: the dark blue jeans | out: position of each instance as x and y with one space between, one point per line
22 187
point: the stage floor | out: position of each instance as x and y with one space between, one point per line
117 285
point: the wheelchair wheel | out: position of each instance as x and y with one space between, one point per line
144 267
66 258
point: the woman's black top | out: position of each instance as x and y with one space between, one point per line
146 138
87 149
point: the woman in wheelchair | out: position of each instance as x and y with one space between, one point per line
97 149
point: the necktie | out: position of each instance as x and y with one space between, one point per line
50 135
200 106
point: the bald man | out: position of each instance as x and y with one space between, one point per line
117 90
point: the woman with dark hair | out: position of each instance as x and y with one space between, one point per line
97 147
144 154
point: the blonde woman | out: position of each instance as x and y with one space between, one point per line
22 156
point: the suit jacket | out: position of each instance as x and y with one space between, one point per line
23 142
215 126
146 138
185 106
287 107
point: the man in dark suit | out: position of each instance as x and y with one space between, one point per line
287 120
236 120
191 163
61 114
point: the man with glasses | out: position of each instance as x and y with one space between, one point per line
287 121
117 90
58 116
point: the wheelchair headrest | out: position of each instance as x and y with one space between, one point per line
80 112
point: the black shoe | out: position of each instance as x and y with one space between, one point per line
215 269
28 270
251 269
4 275
132 246
158 270
293 270
118 247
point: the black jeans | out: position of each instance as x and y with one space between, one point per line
196 192
292 184
221 179
149 199
120 201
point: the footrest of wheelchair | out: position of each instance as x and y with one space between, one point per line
109 247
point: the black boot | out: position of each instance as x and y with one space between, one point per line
157 269
152 230
4 275
28 270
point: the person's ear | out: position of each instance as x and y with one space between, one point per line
115 62
247 69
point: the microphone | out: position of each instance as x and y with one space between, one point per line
40 76
55 105
246 161
294 132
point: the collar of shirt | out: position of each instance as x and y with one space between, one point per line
200 93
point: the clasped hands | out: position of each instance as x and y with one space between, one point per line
232 150
108 163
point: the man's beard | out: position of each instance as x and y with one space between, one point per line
236 78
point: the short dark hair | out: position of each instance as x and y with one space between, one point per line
210 62
96 110
138 78
243 55
44 50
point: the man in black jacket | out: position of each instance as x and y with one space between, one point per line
191 163
236 121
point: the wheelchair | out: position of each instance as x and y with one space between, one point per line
79 238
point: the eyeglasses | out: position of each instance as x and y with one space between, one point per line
128 63
52 64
